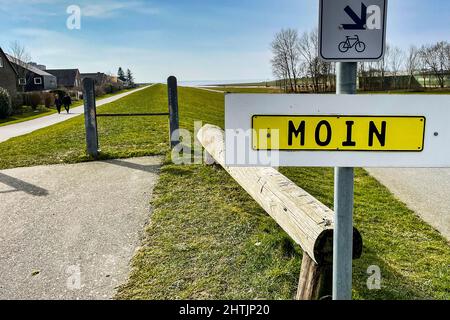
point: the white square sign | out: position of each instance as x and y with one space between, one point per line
352 30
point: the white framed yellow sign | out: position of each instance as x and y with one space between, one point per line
337 130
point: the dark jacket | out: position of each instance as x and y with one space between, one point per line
58 102
67 101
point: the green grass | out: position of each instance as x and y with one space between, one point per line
207 239
245 90
427 92
26 113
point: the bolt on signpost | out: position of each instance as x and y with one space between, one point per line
349 31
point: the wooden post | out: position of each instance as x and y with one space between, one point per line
173 111
315 281
90 117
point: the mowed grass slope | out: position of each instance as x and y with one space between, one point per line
207 239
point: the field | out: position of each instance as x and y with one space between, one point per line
246 89
207 239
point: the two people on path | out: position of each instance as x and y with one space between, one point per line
66 101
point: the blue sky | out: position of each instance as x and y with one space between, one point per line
192 39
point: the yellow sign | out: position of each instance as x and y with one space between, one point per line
338 133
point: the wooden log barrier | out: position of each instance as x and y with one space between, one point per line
305 219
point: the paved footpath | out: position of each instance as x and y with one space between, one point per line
70 231
21 128
426 191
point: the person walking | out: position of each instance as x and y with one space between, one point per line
58 103
67 102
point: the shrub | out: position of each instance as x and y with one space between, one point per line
35 99
5 104
74 95
99 91
49 99
17 102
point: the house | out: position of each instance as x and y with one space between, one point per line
8 75
69 79
100 78
31 77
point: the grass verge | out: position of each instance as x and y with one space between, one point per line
26 113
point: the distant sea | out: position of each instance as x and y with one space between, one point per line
201 83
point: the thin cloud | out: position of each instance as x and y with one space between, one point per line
114 8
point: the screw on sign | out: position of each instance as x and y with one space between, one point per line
352 30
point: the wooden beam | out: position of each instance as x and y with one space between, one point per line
305 219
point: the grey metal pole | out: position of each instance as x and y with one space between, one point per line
172 86
90 117
346 73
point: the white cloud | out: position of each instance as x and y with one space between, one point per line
110 9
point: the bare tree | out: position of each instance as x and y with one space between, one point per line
396 58
280 71
412 64
21 58
286 56
308 48
383 66
436 58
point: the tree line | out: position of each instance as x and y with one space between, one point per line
297 66
126 78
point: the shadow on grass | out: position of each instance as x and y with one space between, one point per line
394 285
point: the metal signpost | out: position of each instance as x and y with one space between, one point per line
346 73
350 30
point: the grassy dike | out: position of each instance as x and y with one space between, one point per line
207 239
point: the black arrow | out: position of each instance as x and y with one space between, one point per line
360 22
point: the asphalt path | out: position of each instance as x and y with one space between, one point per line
18 129
70 231
425 191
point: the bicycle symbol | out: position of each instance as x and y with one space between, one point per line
351 42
